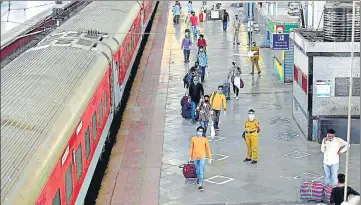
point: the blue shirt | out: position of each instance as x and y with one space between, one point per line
176 10
190 7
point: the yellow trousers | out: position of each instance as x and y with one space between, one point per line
252 146
255 63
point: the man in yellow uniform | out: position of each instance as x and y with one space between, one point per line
236 26
255 58
252 129
218 99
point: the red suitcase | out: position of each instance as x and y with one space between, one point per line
189 170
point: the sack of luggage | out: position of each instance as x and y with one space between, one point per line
312 191
189 170
327 193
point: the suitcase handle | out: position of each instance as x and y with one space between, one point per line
182 166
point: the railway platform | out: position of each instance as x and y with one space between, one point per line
154 140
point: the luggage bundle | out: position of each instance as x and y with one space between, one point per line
315 191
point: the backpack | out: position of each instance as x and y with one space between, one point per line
212 97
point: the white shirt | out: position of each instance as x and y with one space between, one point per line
330 148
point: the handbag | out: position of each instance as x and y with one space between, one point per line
241 83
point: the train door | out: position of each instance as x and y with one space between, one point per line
116 87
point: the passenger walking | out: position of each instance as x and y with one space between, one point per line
190 6
186 46
337 193
236 26
205 112
218 100
255 58
252 130
331 148
203 62
194 23
192 73
202 43
234 72
195 92
176 13
200 149
225 20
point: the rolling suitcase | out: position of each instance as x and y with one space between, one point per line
226 90
189 170
312 191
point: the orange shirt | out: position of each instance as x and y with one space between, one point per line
200 148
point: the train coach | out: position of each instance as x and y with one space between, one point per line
59 98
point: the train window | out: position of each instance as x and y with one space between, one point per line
56 200
101 113
94 124
69 184
87 143
79 163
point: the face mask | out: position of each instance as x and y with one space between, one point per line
200 133
220 91
195 82
251 117
206 101
200 50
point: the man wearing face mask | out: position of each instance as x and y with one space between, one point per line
203 62
331 148
252 130
236 26
195 92
199 150
255 58
218 99
186 46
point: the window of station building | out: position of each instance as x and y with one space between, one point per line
101 112
87 143
94 124
79 162
56 199
69 184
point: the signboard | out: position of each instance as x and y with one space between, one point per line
342 86
280 41
280 28
323 88
65 155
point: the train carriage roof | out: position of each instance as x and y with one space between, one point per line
43 95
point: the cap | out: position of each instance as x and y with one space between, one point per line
251 111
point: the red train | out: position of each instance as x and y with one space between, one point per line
59 99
